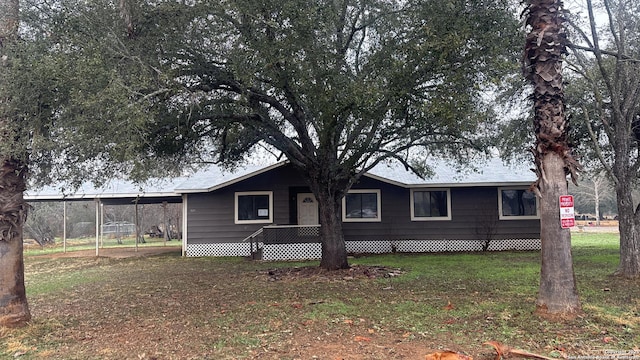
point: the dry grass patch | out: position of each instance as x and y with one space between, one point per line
386 307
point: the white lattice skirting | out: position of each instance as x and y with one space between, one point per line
314 250
291 251
225 249
423 246
369 247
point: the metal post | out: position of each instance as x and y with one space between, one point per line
64 226
101 227
137 225
184 229
164 221
97 226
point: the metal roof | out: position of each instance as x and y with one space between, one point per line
214 177
118 190
491 172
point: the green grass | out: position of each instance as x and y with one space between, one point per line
229 308
90 244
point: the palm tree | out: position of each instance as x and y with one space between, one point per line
544 49
14 310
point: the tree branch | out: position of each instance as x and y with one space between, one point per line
605 52
596 146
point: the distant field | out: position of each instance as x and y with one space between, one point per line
604 223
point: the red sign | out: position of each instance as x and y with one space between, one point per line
566 201
567 223
567 213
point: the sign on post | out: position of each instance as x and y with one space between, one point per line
567 212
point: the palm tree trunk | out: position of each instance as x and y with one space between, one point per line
544 48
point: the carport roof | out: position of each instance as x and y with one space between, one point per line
115 191
121 191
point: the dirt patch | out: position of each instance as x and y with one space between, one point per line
319 274
168 308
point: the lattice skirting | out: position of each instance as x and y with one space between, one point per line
226 249
514 244
420 246
314 250
291 251
369 247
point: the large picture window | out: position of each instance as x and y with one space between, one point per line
431 204
361 205
517 204
254 207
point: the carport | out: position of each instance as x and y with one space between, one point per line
115 192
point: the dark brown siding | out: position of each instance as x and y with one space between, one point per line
474 213
210 217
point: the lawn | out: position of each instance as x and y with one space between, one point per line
89 243
395 306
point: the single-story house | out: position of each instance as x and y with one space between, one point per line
270 212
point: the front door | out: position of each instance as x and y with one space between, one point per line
307 209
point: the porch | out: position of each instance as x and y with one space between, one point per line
285 242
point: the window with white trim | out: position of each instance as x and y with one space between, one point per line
254 207
361 205
430 204
517 204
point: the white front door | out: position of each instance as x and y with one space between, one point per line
307 209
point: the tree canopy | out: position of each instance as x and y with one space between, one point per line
208 81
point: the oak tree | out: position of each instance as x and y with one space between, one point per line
336 87
14 309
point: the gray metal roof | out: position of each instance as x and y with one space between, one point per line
492 172
114 189
214 177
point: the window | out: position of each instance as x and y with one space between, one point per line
254 207
432 204
361 205
517 204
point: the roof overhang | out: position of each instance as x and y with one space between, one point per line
449 185
231 181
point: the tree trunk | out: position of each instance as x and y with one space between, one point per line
596 196
544 48
334 252
558 294
14 309
629 266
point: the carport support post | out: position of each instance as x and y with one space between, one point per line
185 217
64 226
101 222
137 226
164 221
97 226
